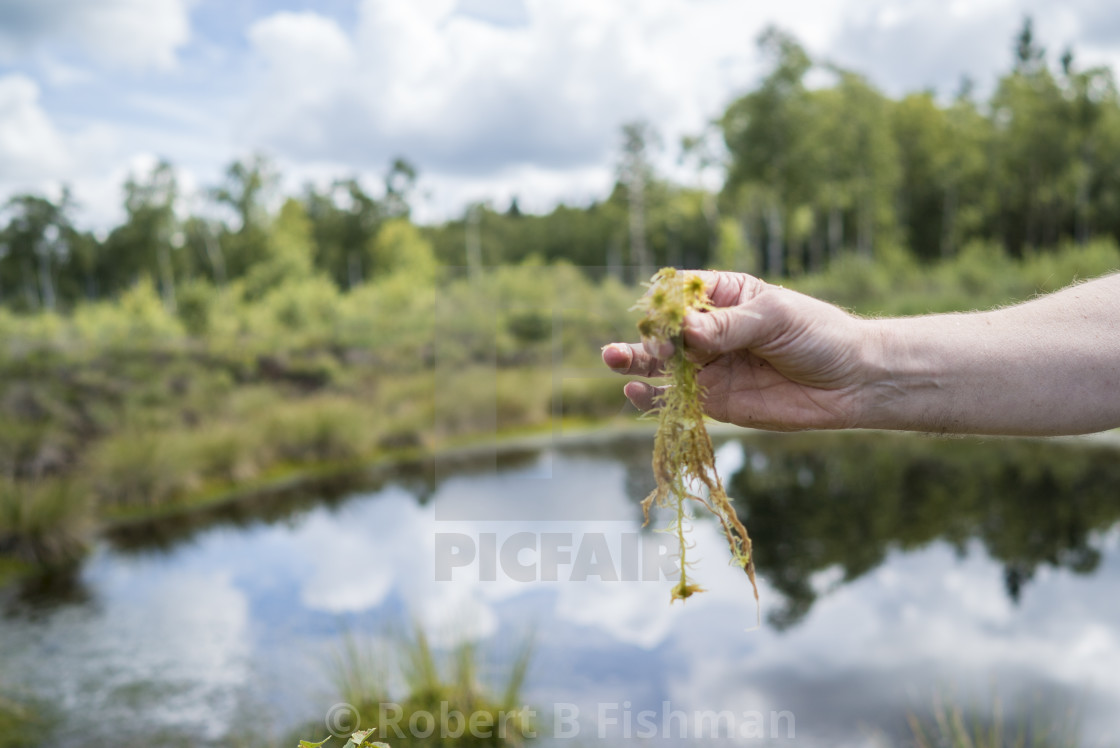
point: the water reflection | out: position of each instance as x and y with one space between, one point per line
43 593
841 503
890 566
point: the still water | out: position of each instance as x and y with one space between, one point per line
894 570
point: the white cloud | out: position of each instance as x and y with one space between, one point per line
538 189
500 12
485 93
30 146
490 98
38 156
125 33
907 46
309 62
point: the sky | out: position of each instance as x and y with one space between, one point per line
490 99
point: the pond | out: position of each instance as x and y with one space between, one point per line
894 571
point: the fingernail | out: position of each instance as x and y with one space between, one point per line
632 391
624 352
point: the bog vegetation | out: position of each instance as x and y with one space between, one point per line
684 462
190 352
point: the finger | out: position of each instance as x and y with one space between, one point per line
724 330
727 289
644 396
627 358
658 349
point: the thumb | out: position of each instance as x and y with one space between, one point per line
723 330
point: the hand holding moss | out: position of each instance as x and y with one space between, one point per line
775 359
770 358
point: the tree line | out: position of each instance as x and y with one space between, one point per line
809 173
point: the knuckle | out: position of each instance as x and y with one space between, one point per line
721 328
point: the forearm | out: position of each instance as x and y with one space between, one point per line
1048 366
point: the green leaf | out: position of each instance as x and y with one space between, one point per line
309 744
358 739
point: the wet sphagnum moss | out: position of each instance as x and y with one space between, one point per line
683 458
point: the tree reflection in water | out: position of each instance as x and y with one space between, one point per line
817 501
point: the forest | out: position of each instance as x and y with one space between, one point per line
809 174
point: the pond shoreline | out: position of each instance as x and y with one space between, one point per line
498 444
293 476
299 476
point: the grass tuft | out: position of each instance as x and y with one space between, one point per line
411 676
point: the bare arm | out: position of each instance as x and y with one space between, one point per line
1048 366
778 359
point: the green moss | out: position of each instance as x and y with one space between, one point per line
683 458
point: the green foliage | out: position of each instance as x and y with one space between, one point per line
734 253
980 276
126 407
482 399
155 468
195 306
356 740
22 723
529 314
810 174
590 397
290 256
138 316
141 469
1029 169
35 250
400 248
434 684
1042 725
391 321
321 429
45 522
143 409
302 311
142 246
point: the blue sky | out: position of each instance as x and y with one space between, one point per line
489 98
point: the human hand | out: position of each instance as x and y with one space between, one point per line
771 358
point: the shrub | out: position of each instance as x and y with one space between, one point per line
480 399
138 316
142 468
226 452
44 522
591 397
326 428
195 305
